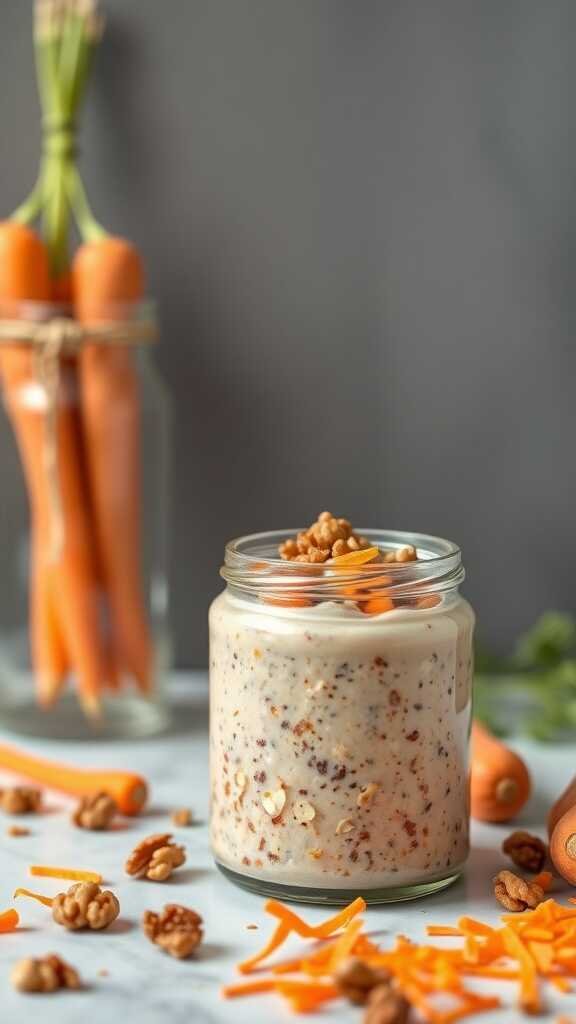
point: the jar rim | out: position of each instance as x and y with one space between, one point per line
252 566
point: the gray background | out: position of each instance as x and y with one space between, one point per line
359 221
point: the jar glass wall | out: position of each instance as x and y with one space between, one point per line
84 528
339 739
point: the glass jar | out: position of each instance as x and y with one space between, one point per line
84 644
339 739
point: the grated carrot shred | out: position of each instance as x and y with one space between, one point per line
72 874
544 879
9 921
45 900
536 946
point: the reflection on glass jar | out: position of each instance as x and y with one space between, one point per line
339 739
84 643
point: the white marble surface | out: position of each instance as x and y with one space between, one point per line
141 980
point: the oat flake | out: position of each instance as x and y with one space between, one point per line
343 826
367 795
273 802
303 811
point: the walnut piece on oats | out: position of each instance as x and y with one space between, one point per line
155 858
515 893
46 974
85 905
95 812
328 537
177 930
21 800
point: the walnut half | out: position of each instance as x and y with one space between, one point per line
95 812
45 975
21 800
85 905
515 893
386 1006
526 851
356 979
177 929
155 858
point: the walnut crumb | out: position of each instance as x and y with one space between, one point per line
356 979
327 538
95 812
85 905
177 930
155 858
17 830
21 800
47 974
386 1006
182 818
316 853
526 851
516 894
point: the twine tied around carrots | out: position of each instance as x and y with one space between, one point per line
50 340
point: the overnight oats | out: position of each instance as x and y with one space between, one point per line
340 682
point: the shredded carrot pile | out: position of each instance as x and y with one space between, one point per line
73 874
528 949
9 921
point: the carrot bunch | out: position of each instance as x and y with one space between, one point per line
88 614
537 946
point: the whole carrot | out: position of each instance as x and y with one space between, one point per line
67 579
107 279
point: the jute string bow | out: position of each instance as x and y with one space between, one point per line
49 341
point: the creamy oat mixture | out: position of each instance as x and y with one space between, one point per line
338 742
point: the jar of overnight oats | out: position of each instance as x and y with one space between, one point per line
340 692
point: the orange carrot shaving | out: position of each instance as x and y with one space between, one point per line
344 945
9 920
468 926
277 938
72 874
320 931
249 988
442 929
355 557
529 997
45 900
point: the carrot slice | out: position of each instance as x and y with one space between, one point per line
377 605
72 874
45 900
9 920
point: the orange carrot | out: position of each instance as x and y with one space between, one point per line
500 782
72 874
565 801
9 920
107 280
130 791
563 846
248 988
278 937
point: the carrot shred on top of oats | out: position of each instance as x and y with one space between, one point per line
9 920
529 949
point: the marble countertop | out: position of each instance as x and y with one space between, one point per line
143 982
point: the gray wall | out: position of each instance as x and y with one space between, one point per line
359 220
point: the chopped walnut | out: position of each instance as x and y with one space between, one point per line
177 929
44 975
95 812
155 858
182 818
20 800
85 905
327 538
386 1006
356 979
515 893
526 851
17 830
